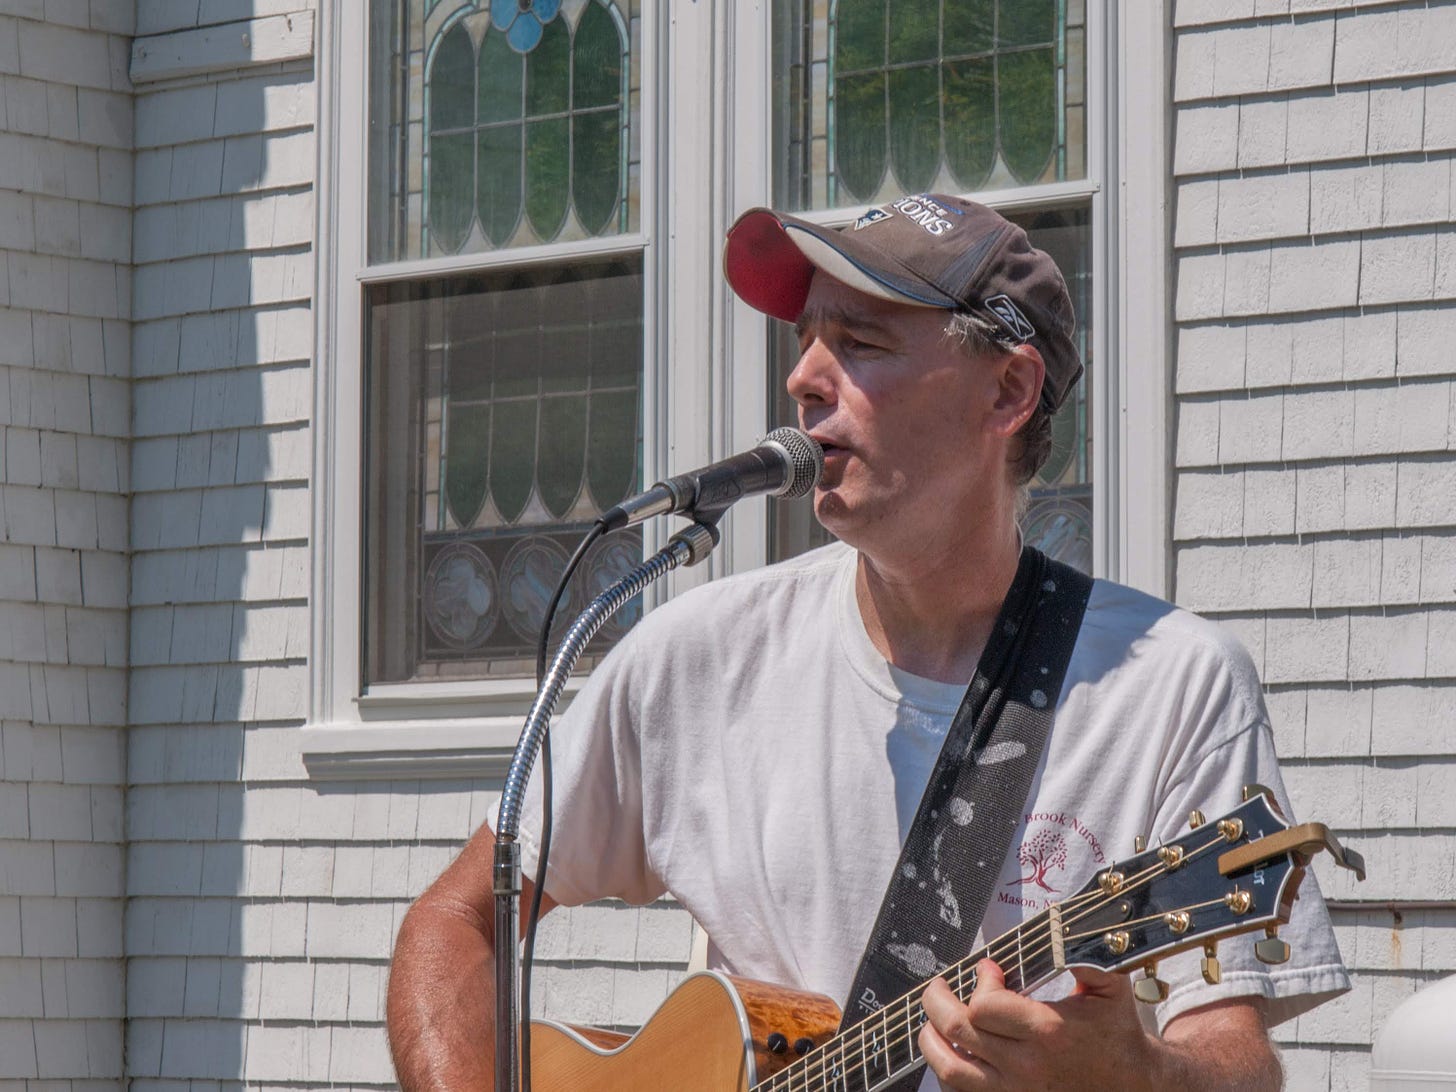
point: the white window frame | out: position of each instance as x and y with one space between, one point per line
704 387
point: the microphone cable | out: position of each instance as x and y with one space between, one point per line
534 914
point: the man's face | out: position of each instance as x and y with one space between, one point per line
907 420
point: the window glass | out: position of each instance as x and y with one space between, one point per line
501 125
503 405
503 415
876 98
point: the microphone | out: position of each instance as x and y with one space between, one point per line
786 463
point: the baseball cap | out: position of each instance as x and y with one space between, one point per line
928 250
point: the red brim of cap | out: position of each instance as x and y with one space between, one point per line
765 268
770 261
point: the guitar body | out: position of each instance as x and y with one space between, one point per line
710 1035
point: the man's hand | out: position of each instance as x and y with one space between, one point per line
1092 1039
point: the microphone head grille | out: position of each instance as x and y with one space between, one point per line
804 457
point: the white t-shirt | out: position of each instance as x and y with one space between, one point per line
749 750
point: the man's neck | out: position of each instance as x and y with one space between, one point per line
931 615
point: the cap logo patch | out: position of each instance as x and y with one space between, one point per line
1011 317
925 212
874 216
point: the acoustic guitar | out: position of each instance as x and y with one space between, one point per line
715 1033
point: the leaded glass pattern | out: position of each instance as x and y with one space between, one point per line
501 125
877 98
504 418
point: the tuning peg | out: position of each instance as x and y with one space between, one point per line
1196 819
1271 949
1212 972
1150 989
1140 843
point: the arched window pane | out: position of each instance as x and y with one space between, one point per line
452 169
561 466
970 121
859 104
1028 91
597 142
498 181
974 94
915 126
452 81
502 76
545 90
596 60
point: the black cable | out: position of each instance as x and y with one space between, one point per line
534 915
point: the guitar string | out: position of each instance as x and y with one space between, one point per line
896 1032
856 1036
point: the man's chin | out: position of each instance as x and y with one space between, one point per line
836 515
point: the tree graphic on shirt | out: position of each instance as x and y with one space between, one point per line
1046 851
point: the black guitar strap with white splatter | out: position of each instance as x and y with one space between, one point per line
977 792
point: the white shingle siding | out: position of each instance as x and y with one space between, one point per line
1316 272
65 245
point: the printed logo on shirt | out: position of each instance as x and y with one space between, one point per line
1050 840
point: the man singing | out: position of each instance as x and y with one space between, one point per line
759 746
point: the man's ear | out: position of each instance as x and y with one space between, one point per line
1020 374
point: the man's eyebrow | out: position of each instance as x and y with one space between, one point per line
840 316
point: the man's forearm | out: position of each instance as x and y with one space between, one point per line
441 1001
1231 1055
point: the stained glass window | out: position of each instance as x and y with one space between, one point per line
876 98
504 417
504 405
501 124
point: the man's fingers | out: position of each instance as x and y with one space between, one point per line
1098 983
975 1027
955 1067
953 1048
989 977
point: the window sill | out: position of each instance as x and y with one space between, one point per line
425 732
481 747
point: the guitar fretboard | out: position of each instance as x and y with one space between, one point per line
882 1047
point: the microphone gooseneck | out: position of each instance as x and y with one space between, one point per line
786 463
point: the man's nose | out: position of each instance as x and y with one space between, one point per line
812 380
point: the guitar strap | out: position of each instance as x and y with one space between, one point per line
973 801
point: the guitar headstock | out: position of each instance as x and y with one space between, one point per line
1237 874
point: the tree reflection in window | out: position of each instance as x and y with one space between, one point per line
527 122
900 96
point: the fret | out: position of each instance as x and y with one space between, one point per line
1020 961
835 1070
912 1025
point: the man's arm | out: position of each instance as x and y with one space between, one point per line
440 1010
1093 1039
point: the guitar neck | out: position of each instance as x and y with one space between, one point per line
882 1048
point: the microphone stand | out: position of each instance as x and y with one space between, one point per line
688 547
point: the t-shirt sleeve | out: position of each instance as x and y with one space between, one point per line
598 841
1212 782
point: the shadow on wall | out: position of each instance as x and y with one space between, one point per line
222 339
